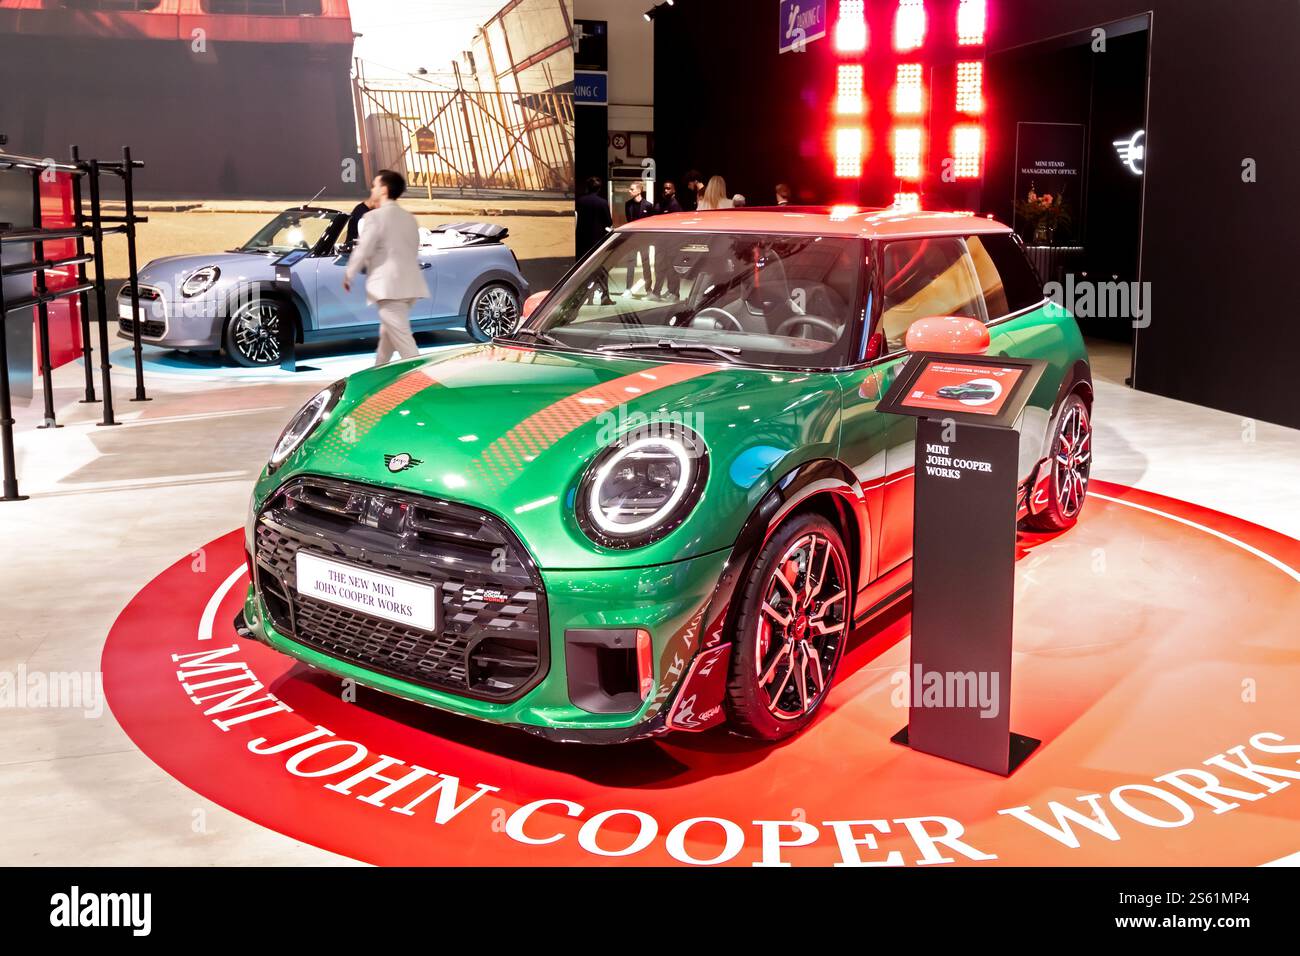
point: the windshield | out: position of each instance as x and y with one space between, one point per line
787 301
292 229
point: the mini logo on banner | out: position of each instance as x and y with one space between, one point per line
400 462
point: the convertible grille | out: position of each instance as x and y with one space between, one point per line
154 327
493 633
149 327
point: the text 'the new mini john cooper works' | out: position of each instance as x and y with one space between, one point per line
665 500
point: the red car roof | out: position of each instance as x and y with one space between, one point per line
866 224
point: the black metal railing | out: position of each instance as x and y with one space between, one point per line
87 225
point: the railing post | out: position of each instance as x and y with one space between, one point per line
83 298
133 276
42 307
10 481
101 304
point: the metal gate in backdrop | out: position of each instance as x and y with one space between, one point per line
463 140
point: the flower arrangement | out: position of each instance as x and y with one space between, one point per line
1044 214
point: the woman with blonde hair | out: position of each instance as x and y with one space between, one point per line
715 195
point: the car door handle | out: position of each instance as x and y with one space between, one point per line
426 265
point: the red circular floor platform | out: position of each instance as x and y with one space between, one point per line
1154 637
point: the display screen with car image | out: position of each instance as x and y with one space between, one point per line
964 388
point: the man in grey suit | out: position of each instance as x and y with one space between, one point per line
388 254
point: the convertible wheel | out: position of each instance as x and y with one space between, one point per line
1071 463
253 333
493 311
791 630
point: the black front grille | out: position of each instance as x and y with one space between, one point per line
147 293
493 634
150 327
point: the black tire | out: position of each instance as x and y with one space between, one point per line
493 311
1071 463
252 335
765 698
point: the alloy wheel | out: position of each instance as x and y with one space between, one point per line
256 332
802 625
495 311
1073 459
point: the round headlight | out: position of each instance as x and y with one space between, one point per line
642 486
200 280
304 423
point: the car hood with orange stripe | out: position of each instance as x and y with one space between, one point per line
511 430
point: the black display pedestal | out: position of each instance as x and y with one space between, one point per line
964 546
963 595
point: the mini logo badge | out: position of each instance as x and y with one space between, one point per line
1133 152
400 462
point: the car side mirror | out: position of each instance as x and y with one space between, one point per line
532 302
344 248
954 334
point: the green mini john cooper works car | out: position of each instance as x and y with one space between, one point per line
668 498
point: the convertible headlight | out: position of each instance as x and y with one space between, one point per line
304 423
642 486
200 281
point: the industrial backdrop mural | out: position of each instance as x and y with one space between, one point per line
497 116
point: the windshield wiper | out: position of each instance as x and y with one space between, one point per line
540 336
726 353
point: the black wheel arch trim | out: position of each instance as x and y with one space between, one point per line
801 484
1077 379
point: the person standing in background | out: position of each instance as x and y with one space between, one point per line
593 218
715 195
638 207
690 200
782 194
665 277
354 220
738 201
388 253
669 201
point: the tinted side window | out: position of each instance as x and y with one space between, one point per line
1006 277
923 278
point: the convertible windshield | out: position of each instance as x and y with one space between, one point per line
292 229
788 301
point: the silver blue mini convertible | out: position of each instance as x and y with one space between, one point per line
231 301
